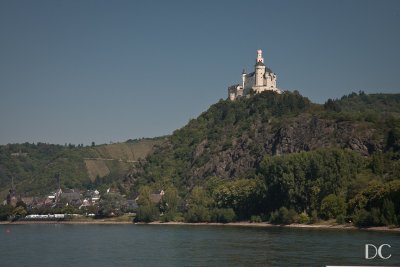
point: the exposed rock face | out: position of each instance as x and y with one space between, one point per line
232 138
302 133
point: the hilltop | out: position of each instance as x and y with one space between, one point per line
281 158
231 138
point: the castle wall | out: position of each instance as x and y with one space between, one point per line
249 83
270 80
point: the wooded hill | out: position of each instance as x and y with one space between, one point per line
33 166
270 155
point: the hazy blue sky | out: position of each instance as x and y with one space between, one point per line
82 71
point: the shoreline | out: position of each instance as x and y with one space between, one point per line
233 224
295 225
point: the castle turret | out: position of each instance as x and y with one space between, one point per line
259 56
260 69
243 77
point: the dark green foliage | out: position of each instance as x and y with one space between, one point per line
303 179
147 213
20 203
19 212
362 218
328 182
170 202
34 166
388 213
198 214
245 196
255 219
199 203
304 218
332 206
5 212
393 141
224 166
385 197
332 105
341 219
284 216
377 163
223 215
112 204
314 217
216 129
365 105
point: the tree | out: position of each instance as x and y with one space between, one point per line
199 197
111 204
332 206
144 196
284 216
198 206
19 211
377 163
362 218
20 203
169 203
223 215
5 212
244 196
388 212
198 214
147 213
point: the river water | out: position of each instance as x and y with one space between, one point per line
178 245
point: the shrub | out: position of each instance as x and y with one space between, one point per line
168 216
376 217
284 216
340 219
362 218
179 217
314 217
255 219
5 212
147 213
223 215
292 217
388 213
332 206
198 214
304 218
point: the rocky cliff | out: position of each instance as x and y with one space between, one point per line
232 138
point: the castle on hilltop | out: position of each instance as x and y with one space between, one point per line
262 79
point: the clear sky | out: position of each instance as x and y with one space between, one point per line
83 71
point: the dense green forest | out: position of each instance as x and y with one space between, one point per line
271 158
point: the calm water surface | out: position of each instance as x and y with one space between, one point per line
177 245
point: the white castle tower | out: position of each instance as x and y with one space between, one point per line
262 79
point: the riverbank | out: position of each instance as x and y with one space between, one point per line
233 224
311 226
66 222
